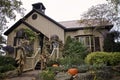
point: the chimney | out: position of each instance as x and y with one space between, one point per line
39 6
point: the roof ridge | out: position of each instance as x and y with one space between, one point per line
44 15
68 21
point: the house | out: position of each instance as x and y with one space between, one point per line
90 32
46 28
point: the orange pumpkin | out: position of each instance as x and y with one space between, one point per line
73 71
55 65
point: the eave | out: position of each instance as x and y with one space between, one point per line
107 27
26 16
17 24
42 14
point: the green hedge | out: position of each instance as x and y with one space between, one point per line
7 64
6 68
114 58
106 58
7 60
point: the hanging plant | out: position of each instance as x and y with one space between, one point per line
29 34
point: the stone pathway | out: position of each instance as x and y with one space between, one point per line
30 75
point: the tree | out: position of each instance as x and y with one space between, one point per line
116 3
99 15
109 42
2 39
102 12
74 52
8 9
74 48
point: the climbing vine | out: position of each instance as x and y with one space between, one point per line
30 34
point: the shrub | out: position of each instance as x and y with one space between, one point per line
109 42
30 35
47 75
54 69
51 62
98 58
2 76
103 75
115 58
74 48
74 52
6 68
71 61
7 60
7 64
83 68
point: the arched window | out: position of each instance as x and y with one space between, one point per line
20 33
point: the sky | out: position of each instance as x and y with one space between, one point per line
60 10
63 10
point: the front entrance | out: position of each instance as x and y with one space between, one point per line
97 43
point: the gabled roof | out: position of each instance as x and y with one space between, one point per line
71 24
42 14
26 16
85 24
17 24
66 25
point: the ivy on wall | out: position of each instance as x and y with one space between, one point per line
30 34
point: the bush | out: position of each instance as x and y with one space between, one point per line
47 75
115 58
7 64
103 75
74 52
51 62
6 68
54 69
7 60
74 49
109 42
2 76
98 58
71 61
83 68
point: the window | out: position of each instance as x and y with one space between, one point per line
81 39
87 41
34 16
